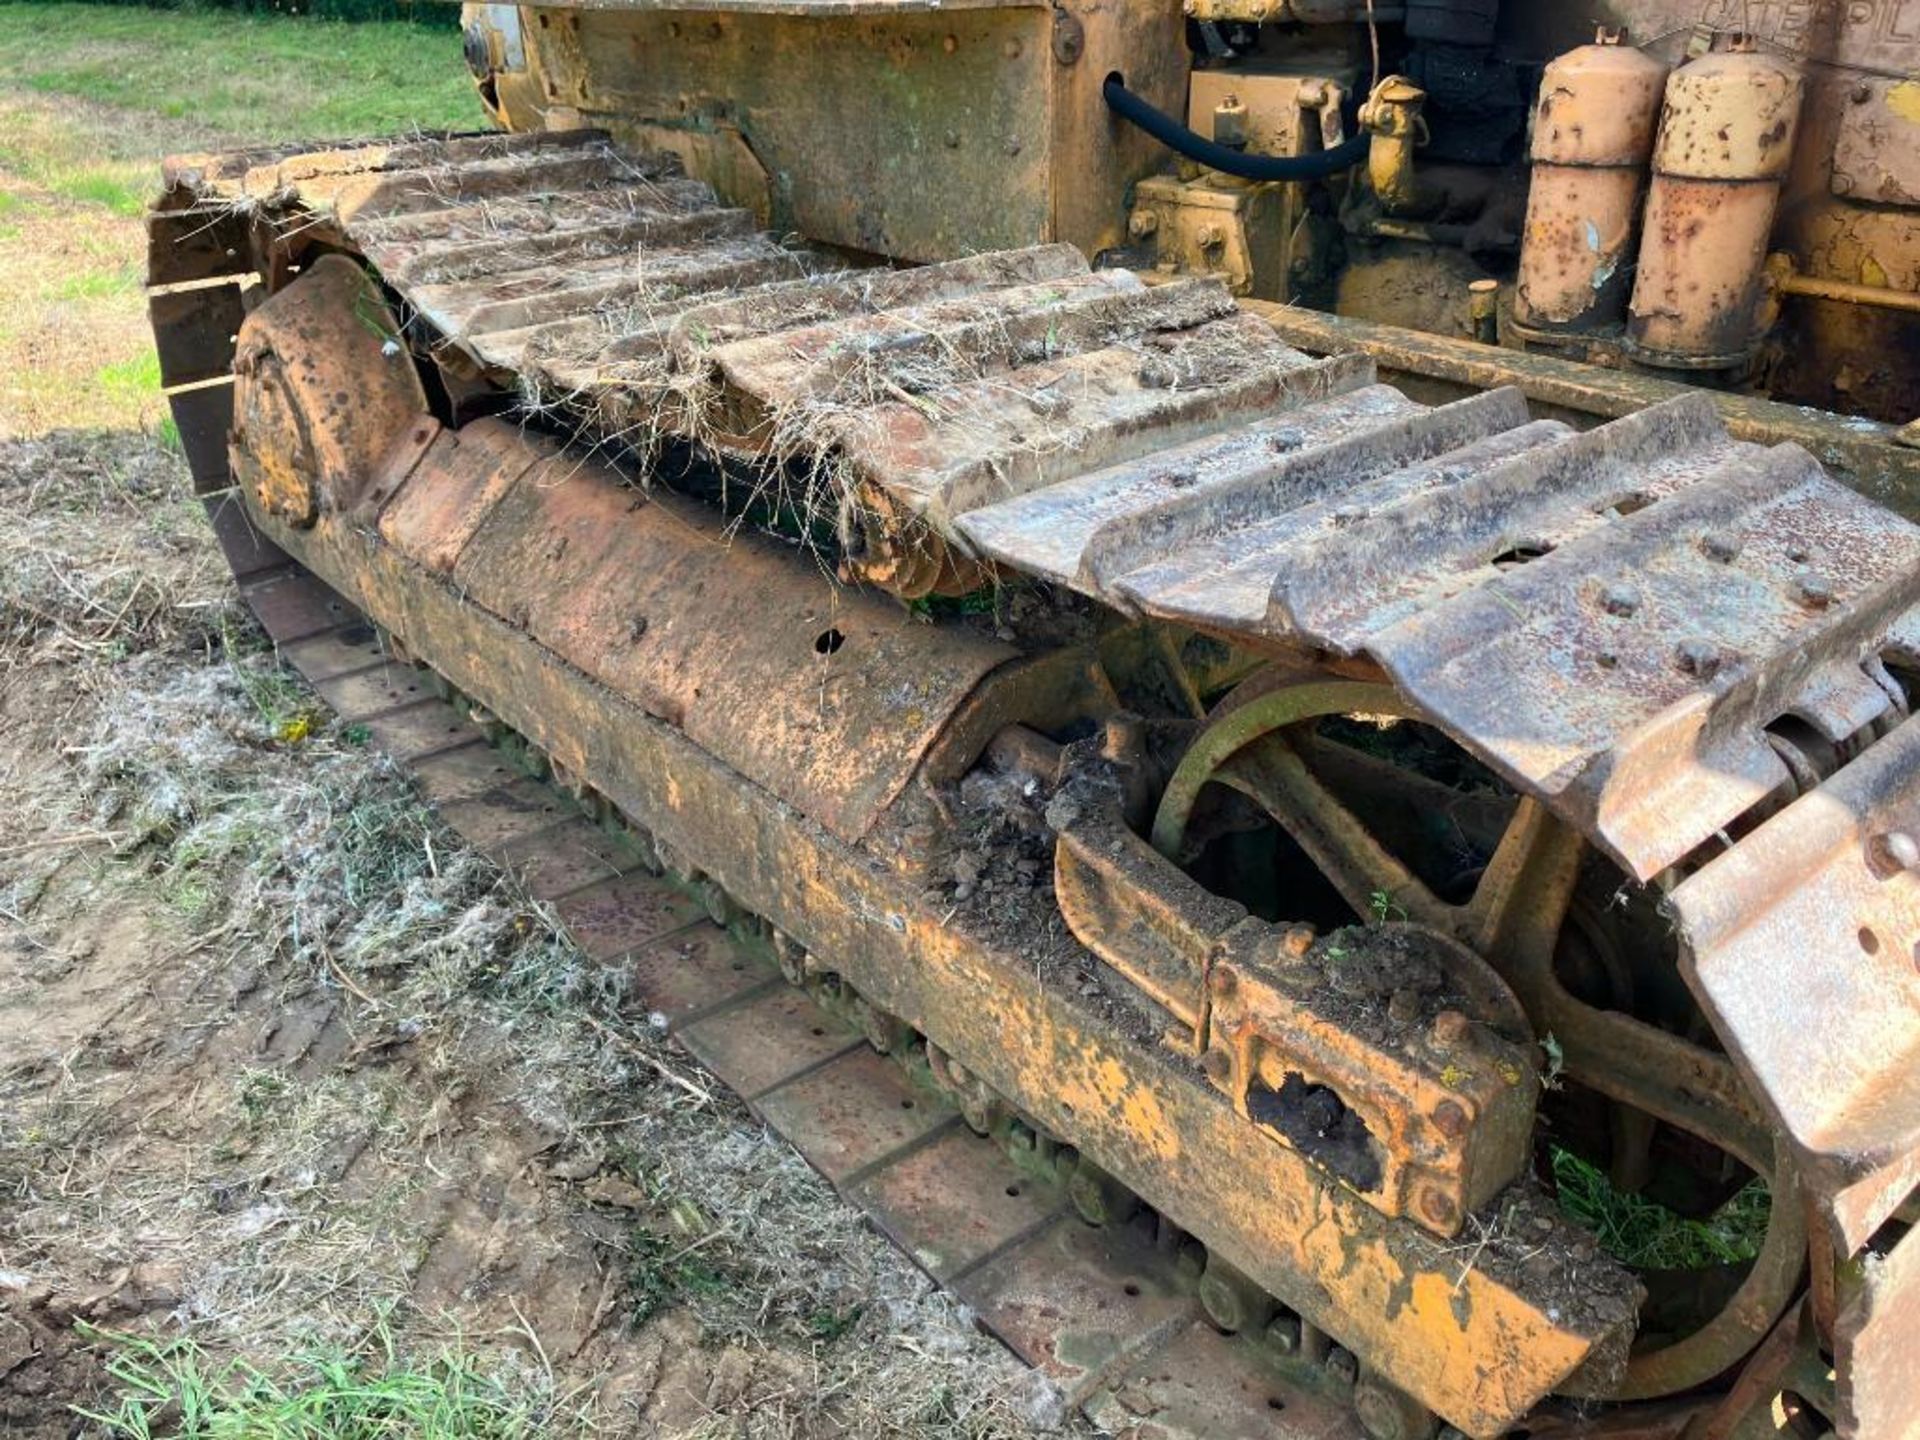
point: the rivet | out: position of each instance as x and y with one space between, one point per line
1224 981
1620 600
952 137
1011 50
1698 658
1013 145
1402 1007
1815 590
950 44
1296 941
1449 1119
1718 545
1217 1064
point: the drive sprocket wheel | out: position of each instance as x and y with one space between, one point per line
1516 912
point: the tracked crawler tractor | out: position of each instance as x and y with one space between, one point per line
1315 774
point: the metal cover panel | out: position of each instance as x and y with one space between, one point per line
770 666
876 176
1877 156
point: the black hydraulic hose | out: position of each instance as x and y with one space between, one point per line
1170 132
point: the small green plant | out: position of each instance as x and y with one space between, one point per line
664 1270
829 1323
260 1091
1646 1234
1385 907
174 1388
1556 1062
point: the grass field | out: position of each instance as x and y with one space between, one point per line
91 98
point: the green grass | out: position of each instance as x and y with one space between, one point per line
1648 1235
130 380
97 284
249 77
176 1389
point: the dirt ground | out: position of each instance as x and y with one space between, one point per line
283 1067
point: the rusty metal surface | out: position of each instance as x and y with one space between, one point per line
338 652
1808 928
624 914
1863 453
1593 133
572 857
1203 1386
324 393
294 607
1879 1387
428 728
636 301
1384 1287
768 1041
1670 592
957 1201
853 1114
1077 1303
1727 131
828 698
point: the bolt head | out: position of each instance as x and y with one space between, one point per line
1450 1119
1438 1207
1451 1029
1814 590
1719 545
1211 237
1224 981
1342 1366
1698 658
1283 1333
1217 1064
1620 599
1142 223
1296 941
1893 852
1403 1006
